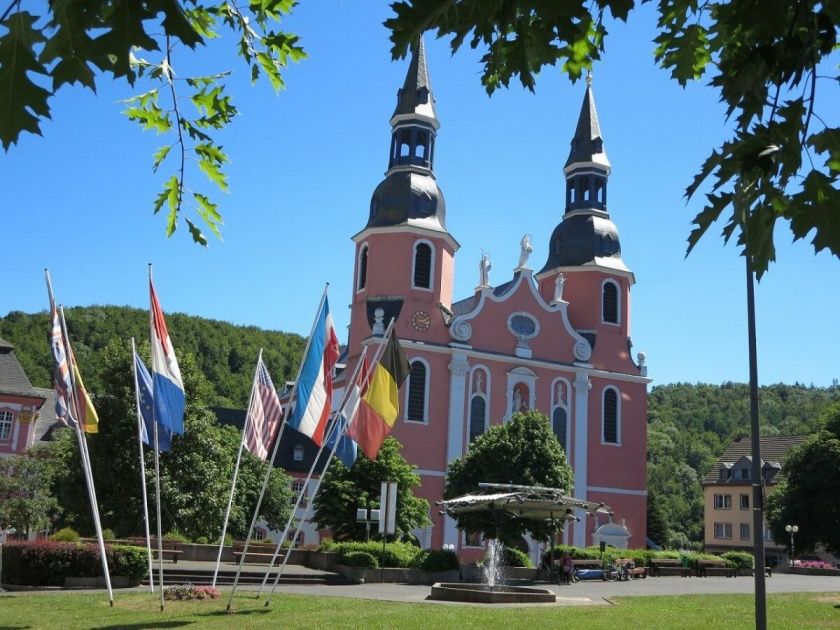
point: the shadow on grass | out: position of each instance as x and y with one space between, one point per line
14 627
234 612
143 626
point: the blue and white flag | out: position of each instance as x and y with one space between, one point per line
166 376
145 402
347 449
313 397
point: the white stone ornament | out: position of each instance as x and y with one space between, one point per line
378 323
524 252
559 283
484 267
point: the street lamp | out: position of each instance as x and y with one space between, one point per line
792 529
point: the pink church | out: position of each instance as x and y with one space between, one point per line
556 340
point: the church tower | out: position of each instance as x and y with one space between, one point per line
585 251
404 255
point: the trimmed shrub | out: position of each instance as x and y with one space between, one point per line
202 540
437 560
739 559
396 554
65 534
108 534
48 563
517 558
328 544
360 559
176 536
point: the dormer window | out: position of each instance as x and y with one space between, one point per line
297 453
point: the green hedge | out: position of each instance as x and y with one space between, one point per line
640 557
396 554
359 559
436 560
48 563
517 558
739 559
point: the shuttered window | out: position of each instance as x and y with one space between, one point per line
417 393
478 408
363 267
610 416
558 422
610 303
423 266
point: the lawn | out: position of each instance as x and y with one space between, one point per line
68 610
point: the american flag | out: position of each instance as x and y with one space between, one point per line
264 414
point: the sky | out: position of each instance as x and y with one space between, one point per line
305 161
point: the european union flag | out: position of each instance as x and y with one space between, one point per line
146 401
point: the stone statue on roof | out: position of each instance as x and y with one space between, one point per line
525 251
484 270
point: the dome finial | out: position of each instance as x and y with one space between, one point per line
589 78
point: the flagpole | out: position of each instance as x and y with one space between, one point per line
377 357
270 462
84 452
142 466
157 474
236 470
333 430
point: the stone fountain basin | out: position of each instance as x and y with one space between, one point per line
482 594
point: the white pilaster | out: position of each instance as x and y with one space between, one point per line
458 368
579 454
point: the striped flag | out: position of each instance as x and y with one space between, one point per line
264 415
166 375
61 370
379 406
313 398
87 412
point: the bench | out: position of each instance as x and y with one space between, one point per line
660 567
258 553
705 568
171 548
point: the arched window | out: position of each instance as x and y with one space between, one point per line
478 416
559 426
611 430
363 260
609 302
417 390
423 265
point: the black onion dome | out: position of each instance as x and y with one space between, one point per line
581 239
406 197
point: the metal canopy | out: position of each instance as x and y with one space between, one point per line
532 502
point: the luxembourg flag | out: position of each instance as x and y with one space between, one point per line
313 399
166 376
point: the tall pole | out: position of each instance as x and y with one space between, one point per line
299 499
376 358
142 467
157 476
270 462
757 478
94 504
236 471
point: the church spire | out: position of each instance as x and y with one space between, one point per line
415 99
587 167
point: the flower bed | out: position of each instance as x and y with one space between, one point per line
186 592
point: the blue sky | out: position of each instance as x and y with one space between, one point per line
306 161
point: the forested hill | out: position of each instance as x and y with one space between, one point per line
226 353
689 426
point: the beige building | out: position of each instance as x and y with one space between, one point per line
727 496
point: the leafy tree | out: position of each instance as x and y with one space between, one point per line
657 527
26 503
763 56
195 474
808 496
343 490
522 451
66 42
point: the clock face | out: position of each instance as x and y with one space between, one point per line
421 321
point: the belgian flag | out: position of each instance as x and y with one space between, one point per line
379 407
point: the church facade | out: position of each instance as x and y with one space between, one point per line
556 339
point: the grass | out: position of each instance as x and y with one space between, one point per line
134 611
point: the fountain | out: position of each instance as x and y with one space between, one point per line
519 502
491 590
